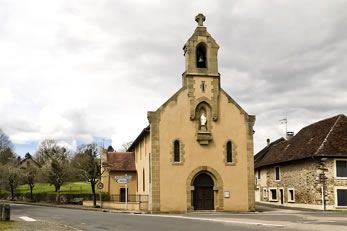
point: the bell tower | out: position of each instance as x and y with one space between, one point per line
200 51
202 80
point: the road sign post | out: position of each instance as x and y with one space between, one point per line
100 186
100 199
126 193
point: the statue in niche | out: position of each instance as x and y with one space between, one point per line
203 122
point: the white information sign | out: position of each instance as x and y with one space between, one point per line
226 194
123 179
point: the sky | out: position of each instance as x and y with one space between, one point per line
88 71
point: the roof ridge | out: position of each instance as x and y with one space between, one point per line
327 136
322 120
262 153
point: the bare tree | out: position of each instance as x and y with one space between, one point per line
11 177
5 141
56 163
6 149
56 174
30 175
126 146
88 163
48 150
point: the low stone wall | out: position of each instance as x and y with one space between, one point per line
132 206
303 206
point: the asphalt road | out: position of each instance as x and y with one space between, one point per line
48 218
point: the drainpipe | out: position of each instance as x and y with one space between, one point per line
322 179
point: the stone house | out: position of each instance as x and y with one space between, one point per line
197 151
299 170
28 162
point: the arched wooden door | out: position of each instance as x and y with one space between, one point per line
203 197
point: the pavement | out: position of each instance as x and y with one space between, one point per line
70 206
40 225
71 217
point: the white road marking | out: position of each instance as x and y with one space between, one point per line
27 218
215 220
325 221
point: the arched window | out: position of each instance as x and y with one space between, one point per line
143 180
229 152
176 151
137 183
201 61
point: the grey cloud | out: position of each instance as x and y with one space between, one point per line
275 59
4 16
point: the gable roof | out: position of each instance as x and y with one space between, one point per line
262 153
29 158
139 138
121 161
147 129
325 138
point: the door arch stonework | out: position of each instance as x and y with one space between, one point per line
203 196
217 188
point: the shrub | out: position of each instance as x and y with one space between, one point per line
105 196
51 197
4 195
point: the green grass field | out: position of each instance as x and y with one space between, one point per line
6 225
68 187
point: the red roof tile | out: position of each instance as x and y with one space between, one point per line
121 161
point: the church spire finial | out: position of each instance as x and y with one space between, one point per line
200 19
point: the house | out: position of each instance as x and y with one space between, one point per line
197 151
300 170
121 164
28 162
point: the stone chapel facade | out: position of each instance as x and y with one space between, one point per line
197 152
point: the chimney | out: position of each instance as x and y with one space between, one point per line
268 141
290 135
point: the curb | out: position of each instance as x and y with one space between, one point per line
295 208
78 207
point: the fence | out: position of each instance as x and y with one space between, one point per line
135 202
131 198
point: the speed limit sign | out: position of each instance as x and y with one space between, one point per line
100 185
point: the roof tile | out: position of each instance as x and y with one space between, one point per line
121 161
327 137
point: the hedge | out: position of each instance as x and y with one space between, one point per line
51 197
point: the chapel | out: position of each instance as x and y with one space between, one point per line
196 152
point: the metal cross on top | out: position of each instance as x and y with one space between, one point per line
200 19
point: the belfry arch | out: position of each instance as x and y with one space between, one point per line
201 56
217 186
